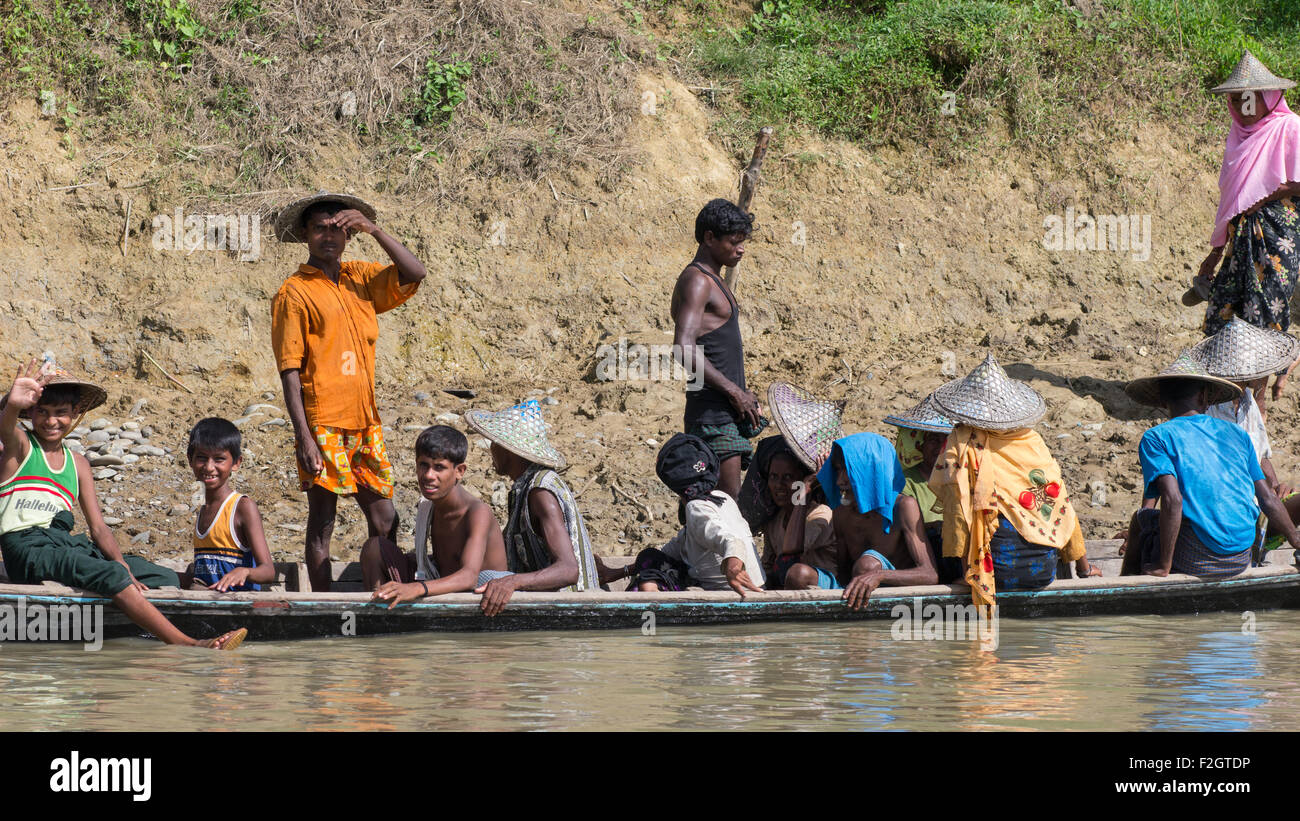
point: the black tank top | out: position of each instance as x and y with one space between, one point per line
723 348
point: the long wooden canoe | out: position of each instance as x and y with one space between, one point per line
304 614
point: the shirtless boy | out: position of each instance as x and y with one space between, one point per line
468 549
721 411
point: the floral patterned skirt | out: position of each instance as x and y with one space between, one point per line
1260 268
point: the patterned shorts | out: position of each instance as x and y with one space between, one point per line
727 440
352 458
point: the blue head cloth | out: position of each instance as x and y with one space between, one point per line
874 472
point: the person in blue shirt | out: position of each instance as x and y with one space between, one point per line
1204 475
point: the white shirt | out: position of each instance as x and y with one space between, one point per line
1245 413
714 533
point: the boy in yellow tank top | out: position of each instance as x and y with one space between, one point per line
41 480
230 552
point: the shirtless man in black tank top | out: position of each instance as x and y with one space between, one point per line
720 410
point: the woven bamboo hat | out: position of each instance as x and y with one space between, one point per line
925 416
1251 75
809 425
288 223
519 429
1147 389
1240 352
988 399
90 396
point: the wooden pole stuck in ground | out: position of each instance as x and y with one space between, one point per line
748 182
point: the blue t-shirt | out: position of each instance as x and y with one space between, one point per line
1216 468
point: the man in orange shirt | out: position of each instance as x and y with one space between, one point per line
323 329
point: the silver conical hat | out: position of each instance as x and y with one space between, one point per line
990 400
1240 352
925 416
1146 390
519 429
809 425
1251 75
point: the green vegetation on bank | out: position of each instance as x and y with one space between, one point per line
428 96
879 71
436 93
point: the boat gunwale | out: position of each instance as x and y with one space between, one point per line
1122 586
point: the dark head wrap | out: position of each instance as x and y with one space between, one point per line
755 500
688 467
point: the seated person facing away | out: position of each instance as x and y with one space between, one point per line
1206 477
1245 355
878 529
547 547
714 549
230 552
1006 511
799 550
40 481
467 548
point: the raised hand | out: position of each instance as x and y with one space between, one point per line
352 220
29 384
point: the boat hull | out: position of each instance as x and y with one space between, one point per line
277 616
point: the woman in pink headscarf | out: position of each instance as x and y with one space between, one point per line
1258 221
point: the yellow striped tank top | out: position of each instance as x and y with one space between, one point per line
218 550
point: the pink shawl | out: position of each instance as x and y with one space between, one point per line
1256 161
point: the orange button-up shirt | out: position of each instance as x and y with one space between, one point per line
328 333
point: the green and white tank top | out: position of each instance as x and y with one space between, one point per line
37 492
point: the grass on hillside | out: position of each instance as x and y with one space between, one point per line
877 71
428 95
435 94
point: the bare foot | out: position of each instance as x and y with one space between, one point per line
226 641
1279 384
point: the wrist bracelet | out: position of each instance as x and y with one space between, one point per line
425 585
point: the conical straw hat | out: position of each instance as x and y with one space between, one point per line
925 416
810 425
1251 75
92 395
288 227
519 429
1147 389
988 399
1240 352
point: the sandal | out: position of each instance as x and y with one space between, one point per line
228 641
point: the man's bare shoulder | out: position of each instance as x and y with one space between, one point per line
461 506
691 275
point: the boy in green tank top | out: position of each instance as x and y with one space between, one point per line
41 480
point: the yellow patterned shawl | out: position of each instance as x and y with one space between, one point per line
908 446
986 474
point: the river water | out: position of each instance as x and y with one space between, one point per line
1106 673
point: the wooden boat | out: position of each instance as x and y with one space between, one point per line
293 614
